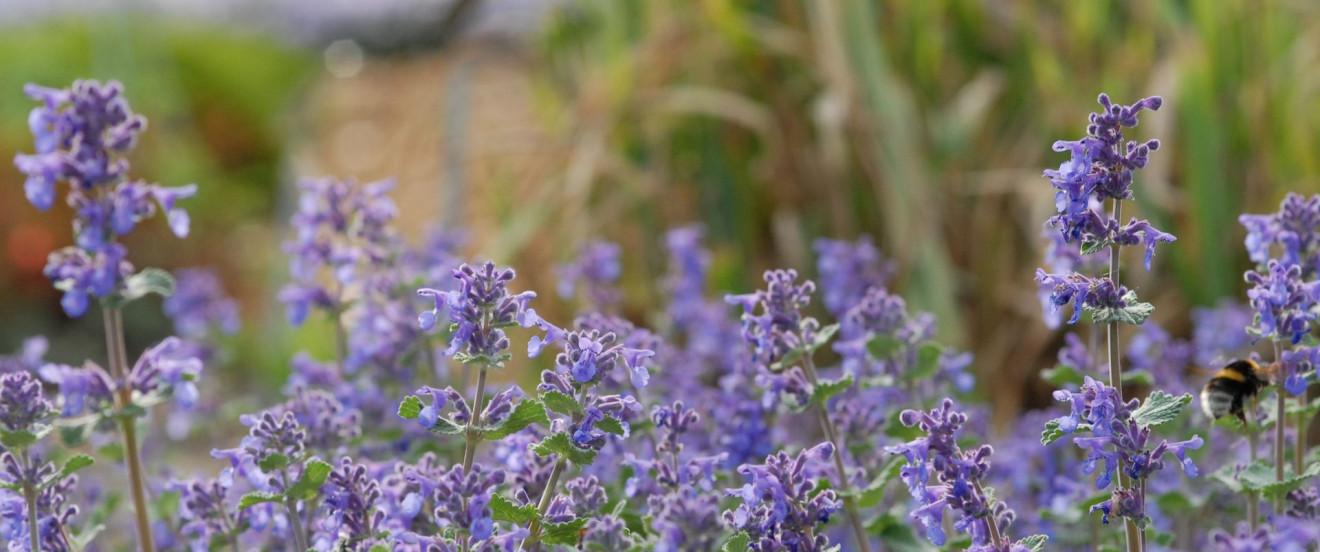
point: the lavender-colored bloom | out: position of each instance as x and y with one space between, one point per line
350 501
1075 353
462 499
780 327
479 308
199 304
596 271
89 388
1295 229
591 355
1303 503
1100 168
54 510
1282 302
29 357
780 508
269 435
587 494
1082 292
607 533
205 514
1219 332
939 474
22 403
848 269
1165 358
685 520
1298 366
1245 540
329 426
1063 257
81 134
686 281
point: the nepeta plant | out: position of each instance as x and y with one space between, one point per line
81 134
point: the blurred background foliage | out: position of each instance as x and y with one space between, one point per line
925 123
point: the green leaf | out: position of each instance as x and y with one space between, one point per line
824 335
309 483
502 509
561 402
560 443
525 413
1052 433
73 464
1138 377
1062 375
567 533
928 362
445 426
897 534
137 286
1260 476
22 439
1135 313
789 359
1231 423
1159 408
827 389
884 346
254 498
874 491
610 424
410 407
1035 542
740 542
274 462
380 548
1091 247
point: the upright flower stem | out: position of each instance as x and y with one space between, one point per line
992 524
470 451
295 524
30 495
534 531
114 335
831 433
1116 380
1280 424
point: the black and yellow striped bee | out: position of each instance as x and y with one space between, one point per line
1226 392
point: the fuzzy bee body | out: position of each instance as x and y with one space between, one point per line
1228 390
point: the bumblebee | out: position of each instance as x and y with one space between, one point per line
1230 387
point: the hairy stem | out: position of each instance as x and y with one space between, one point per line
30 495
295 522
470 451
832 433
992 524
114 336
534 529
1280 425
1116 380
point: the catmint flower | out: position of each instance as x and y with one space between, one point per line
607 533
54 511
328 425
1298 365
686 281
780 327
941 475
479 308
81 134
587 493
1303 503
780 508
590 355
205 514
199 305
1075 353
1082 292
89 388
596 271
848 269
29 357
1282 302
462 499
1219 333
22 403
1165 358
269 435
1245 540
1295 229
350 501
685 520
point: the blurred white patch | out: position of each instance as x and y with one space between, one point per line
344 58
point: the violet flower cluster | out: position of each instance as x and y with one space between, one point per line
81 135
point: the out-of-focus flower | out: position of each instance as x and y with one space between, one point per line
596 271
848 269
780 509
1282 302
